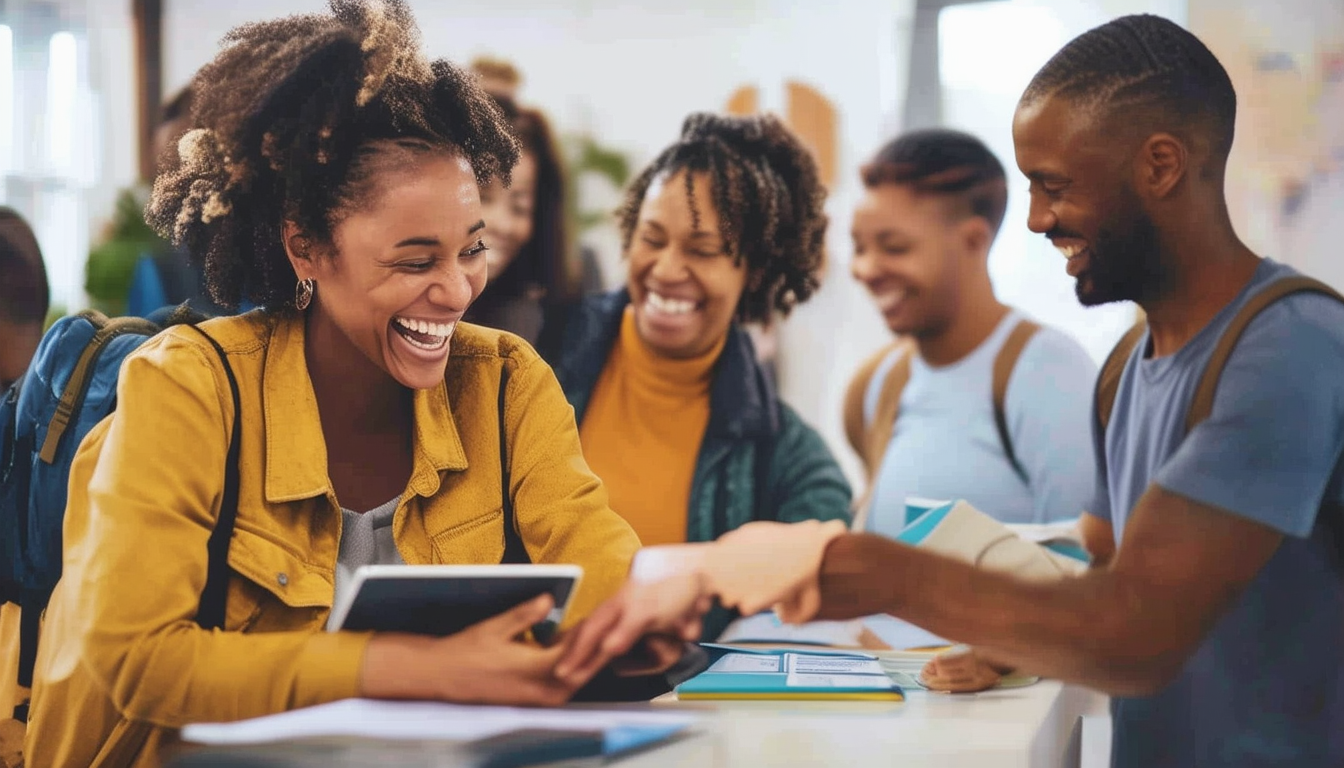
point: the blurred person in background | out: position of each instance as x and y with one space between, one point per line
24 296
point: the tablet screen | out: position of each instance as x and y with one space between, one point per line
446 599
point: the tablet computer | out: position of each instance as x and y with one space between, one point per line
445 599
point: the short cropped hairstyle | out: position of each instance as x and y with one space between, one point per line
1145 66
947 163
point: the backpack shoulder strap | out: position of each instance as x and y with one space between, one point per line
1201 405
855 395
78 385
878 434
873 438
515 552
210 614
1108 380
1004 363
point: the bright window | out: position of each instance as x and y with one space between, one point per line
988 53
49 134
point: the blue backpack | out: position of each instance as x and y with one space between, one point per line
69 387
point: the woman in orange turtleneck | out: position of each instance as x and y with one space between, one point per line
676 415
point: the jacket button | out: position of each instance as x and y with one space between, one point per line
282 579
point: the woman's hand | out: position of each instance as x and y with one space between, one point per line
958 670
771 565
657 609
487 663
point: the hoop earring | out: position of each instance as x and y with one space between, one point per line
303 293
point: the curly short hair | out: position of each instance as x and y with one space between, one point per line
769 198
295 120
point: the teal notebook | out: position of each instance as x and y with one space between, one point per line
752 673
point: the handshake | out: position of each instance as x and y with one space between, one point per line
758 566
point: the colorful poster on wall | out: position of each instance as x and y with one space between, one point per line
1285 180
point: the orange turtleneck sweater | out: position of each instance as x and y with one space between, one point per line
642 431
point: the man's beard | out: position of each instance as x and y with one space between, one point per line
1124 263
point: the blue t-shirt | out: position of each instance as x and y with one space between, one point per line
1266 687
945 445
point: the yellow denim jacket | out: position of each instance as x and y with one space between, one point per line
122 664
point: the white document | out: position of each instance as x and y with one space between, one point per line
878 682
747 663
767 628
834 672
902 635
1040 533
419 720
830 665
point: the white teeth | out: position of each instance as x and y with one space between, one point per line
436 345
442 330
1070 251
889 300
669 306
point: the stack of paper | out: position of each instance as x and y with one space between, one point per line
393 720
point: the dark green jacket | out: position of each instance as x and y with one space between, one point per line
758 460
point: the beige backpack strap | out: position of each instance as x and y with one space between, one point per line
1202 403
78 386
857 428
873 440
1004 363
888 408
856 393
1108 380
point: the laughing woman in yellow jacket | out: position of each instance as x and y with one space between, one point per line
333 178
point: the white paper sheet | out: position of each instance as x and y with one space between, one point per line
1066 530
830 665
419 720
876 682
746 663
901 635
767 628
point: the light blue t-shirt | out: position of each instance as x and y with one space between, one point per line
1266 687
945 444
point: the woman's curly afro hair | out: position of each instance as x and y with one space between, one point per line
294 120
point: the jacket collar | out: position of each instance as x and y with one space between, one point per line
296 450
742 401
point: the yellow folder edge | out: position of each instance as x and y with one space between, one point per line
875 696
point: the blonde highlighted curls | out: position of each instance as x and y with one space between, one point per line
202 165
391 43
298 120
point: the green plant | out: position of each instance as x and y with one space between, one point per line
111 264
586 155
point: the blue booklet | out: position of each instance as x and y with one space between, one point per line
789 674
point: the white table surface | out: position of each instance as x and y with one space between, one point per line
1031 727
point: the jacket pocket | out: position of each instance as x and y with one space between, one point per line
479 541
273 589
